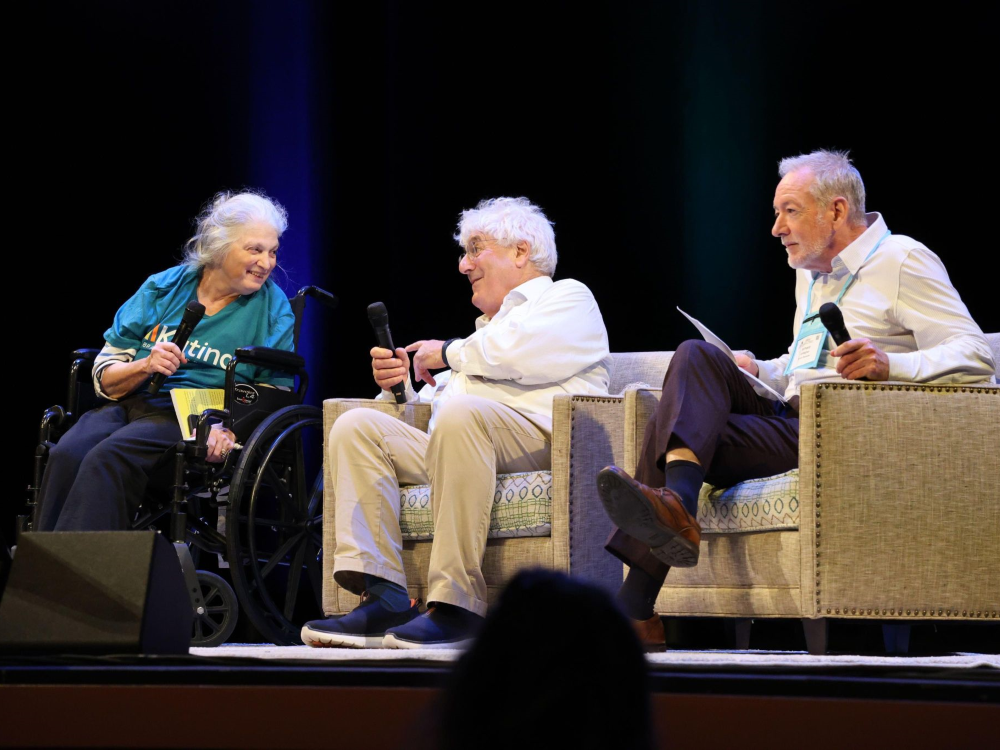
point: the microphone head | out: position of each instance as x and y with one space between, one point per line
194 312
378 315
831 316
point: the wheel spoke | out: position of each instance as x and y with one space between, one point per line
315 570
281 492
279 555
294 576
212 626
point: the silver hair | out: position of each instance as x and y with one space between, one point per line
509 221
222 222
834 177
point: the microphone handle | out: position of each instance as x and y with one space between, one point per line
180 338
385 341
840 336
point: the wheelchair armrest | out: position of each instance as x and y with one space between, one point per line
205 422
88 355
265 357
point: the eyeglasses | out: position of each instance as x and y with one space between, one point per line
473 251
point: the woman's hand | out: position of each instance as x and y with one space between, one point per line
164 358
220 442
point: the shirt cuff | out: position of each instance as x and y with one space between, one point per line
904 365
444 354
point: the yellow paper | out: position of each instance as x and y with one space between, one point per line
194 401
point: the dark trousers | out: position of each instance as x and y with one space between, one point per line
709 406
96 475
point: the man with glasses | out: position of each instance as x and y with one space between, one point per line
711 425
491 414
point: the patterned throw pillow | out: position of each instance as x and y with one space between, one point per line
522 506
766 504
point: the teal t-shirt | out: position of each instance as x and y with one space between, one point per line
153 314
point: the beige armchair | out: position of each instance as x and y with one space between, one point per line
587 434
896 513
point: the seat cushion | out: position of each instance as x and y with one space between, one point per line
767 504
522 506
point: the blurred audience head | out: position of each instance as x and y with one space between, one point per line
555 665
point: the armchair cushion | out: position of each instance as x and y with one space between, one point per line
522 507
766 504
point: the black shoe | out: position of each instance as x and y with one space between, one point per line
441 626
362 627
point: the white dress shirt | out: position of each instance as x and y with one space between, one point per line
901 299
547 338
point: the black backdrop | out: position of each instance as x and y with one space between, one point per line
649 132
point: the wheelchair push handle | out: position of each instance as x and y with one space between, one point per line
263 356
320 295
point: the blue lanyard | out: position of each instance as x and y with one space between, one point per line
847 283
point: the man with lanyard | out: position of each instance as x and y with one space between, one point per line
712 425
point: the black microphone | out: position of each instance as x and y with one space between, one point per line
833 319
379 318
192 314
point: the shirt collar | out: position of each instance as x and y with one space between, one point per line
853 256
517 296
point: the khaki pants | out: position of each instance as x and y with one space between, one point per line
371 454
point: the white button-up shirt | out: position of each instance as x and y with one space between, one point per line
901 299
547 338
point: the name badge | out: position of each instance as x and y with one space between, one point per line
808 345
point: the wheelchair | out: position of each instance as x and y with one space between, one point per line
260 512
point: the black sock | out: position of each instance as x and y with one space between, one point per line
685 478
638 593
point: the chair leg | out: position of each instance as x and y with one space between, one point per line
896 637
815 632
738 632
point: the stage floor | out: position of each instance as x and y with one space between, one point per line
299 697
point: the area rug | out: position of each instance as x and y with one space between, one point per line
741 659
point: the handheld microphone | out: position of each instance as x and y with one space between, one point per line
379 318
833 319
192 314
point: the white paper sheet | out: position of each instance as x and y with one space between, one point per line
716 341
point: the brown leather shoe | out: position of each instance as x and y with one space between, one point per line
653 515
651 634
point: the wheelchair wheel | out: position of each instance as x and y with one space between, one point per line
214 626
274 532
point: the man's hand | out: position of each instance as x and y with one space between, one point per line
164 358
388 369
428 357
860 358
746 363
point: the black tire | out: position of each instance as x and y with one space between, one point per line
274 532
214 626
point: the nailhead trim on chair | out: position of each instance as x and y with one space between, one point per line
891 612
572 417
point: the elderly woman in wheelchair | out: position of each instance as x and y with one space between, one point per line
97 473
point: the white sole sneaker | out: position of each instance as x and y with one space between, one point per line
391 641
321 639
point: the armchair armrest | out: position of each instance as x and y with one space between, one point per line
639 407
416 415
899 500
587 435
